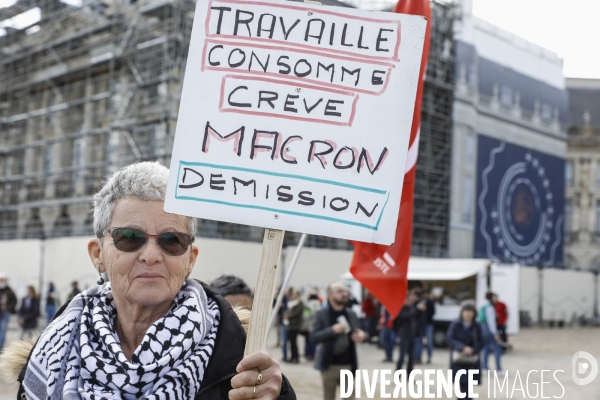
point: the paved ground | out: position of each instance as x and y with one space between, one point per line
534 349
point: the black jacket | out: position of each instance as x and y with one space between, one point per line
322 333
29 312
406 323
229 350
458 337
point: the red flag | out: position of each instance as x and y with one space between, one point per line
382 269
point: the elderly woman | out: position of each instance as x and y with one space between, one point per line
150 332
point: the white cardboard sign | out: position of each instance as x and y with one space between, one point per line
296 117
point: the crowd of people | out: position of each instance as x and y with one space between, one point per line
29 309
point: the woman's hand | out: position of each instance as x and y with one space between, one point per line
467 351
246 384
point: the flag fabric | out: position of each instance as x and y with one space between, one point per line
382 270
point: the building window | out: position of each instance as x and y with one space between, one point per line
467 203
569 215
597 216
470 151
506 95
546 111
569 173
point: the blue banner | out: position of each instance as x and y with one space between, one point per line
520 204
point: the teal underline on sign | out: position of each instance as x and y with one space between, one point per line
257 171
226 203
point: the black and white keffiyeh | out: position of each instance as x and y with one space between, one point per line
79 356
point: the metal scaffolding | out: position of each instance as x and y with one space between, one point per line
88 89
431 217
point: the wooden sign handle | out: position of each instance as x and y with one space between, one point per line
263 291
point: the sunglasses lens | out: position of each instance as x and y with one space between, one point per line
174 243
128 240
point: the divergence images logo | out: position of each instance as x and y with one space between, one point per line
583 363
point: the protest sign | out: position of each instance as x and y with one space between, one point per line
296 117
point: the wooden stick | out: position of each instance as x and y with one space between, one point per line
263 291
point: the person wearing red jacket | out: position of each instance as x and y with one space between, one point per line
370 314
501 319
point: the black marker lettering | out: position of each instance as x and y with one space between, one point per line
304 199
305 73
220 9
339 153
360 35
364 210
377 80
208 130
270 30
237 64
343 43
309 109
331 110
285 197
234 104
244 183
239 21
356 71
269 97
289 103
214 64
264 66
320 35
191 185
284 149
380 39
257 135
342 208
364 156
329 67
282 64
331 34
286 34
215 184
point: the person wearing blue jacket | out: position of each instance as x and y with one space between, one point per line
465 340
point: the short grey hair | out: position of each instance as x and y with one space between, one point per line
145 180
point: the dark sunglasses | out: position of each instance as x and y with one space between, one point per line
130 240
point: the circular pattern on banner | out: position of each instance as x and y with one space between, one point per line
523 215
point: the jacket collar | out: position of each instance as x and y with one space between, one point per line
229 343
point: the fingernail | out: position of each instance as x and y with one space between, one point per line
239 368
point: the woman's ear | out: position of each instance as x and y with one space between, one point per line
95 252
192 260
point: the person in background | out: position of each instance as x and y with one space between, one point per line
335 330
282 327
8 302
487 319
292 319
278 317
465 340
388 335
406 326
312 305
235 291
370 314
51 302
426 328
29 313
501 319
74 290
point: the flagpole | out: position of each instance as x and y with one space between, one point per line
288 275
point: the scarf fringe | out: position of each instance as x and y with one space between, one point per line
14 356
